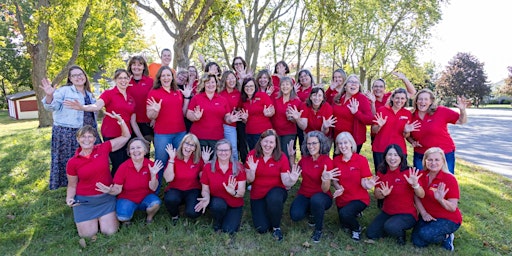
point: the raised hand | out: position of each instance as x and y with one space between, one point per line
231 186
329 122
413 177
399 75
202 204
385 189
290 149
379 120
251 163
154 105
103 188
244 114
353 106
412 127
371 182
370 96
293 112
234 116
206 153
416 143
295 173
330 175
441 191
47 87
73 104
198 113
297 86
270 88
115 116
338 192
171 151
156 167
462 103
268 111
187 90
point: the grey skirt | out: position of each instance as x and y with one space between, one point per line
93 207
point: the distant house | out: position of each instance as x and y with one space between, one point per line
23 105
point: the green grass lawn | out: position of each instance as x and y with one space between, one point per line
36 221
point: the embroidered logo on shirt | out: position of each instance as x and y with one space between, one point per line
271 165
403 118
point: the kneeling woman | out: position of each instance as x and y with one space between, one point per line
135 183
223 188
440 215
88 167
397 189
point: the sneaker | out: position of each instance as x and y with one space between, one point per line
174 220
448 242
356 234
277 234
311 221
317 234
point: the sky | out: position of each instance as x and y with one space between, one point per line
481 28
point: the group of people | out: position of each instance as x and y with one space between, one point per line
218 135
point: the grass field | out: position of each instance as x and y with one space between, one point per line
36 221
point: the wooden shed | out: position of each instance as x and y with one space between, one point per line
23 105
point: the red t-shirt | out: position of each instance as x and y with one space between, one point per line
392 131
352 172
268 175
91 169
115 101
401 198
382 102
280 122
304 93
330 94
234 100
276 81
434 130
312 174
353 123
170 118
209 127
257 122
186 175
216 179
139 91
135 183
316 119
430 203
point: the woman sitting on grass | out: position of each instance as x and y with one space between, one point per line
135 183
85 170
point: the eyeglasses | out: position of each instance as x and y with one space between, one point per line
123 78
312 143
77 75
189 144
223 150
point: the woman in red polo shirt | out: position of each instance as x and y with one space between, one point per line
338 79
182 173
314 196
268 170
315 114
257 111
90 165
265 84
397 188
303 89
281 70
439 211
379 97
352 111
229 90
354 182
135 183
114 100
434 120
223 188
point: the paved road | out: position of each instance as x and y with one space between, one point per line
486 139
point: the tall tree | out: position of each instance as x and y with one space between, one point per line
465 76
506 89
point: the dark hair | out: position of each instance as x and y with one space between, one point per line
120 71
307 73
325 143
224 77
141 60
87 85
309 102
379 79
276 154
262 73
158 83
165 50
285 67
208 66
244 95
237 58
383 167
395 92
144 143
204 78
342 72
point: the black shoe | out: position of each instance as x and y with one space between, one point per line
277 234
174 220
356 234
317 234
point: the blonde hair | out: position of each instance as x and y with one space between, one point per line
434 150
433 106
197 151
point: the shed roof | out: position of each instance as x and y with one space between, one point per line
21 95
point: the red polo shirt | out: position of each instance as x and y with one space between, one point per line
91 169
216 179
139 91
268 175
430 203
353 123
257 122
434 130
382 102
392 131
115 101
209 127
352 172
401 198
135 183
312 174
234 100
277 81
330 94
170 118
280 122
186 175
316 119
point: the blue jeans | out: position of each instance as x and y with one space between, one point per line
161 141
173 198
225 218
268 211
230 135
450 161
252 139
425 233
316 205
392 225
348 214
125 208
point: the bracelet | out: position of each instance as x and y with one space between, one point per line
415 186
171 162
188 98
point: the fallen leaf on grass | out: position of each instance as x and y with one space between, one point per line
94 238
334 245
369 241
82 242
10 216
163 247
486 244
349 248
306 244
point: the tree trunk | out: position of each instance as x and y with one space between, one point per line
181 48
